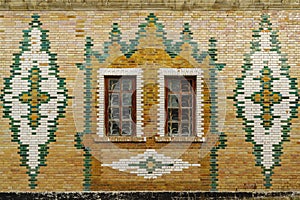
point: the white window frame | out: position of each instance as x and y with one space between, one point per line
102 72
198 72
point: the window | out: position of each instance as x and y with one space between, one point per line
179 105
120 105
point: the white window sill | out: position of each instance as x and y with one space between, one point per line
192 139
118 139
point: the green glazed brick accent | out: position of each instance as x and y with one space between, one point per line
87 161
173 49
88 108
154 165
273 91
30 89
221 144
214 160
186 38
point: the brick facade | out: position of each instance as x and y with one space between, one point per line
53 65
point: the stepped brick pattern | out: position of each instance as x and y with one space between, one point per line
208 100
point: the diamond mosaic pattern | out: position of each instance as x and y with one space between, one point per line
266 98
34 98
150 164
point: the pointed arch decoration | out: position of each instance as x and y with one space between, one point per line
173 49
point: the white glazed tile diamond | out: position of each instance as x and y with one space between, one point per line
150 164
266 64
34 58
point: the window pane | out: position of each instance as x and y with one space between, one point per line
113 128
126 99
114 99
173 101
186 100
114 84
174 85
127 84
173 129
186 129
173 114
126 128
114 113
126 113
186 85
186 114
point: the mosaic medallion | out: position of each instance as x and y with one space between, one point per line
266 98
150 164
34 97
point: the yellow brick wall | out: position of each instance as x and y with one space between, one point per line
64 170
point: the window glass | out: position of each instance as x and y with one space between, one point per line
120 105
180 106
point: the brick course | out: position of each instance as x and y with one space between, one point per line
86 41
